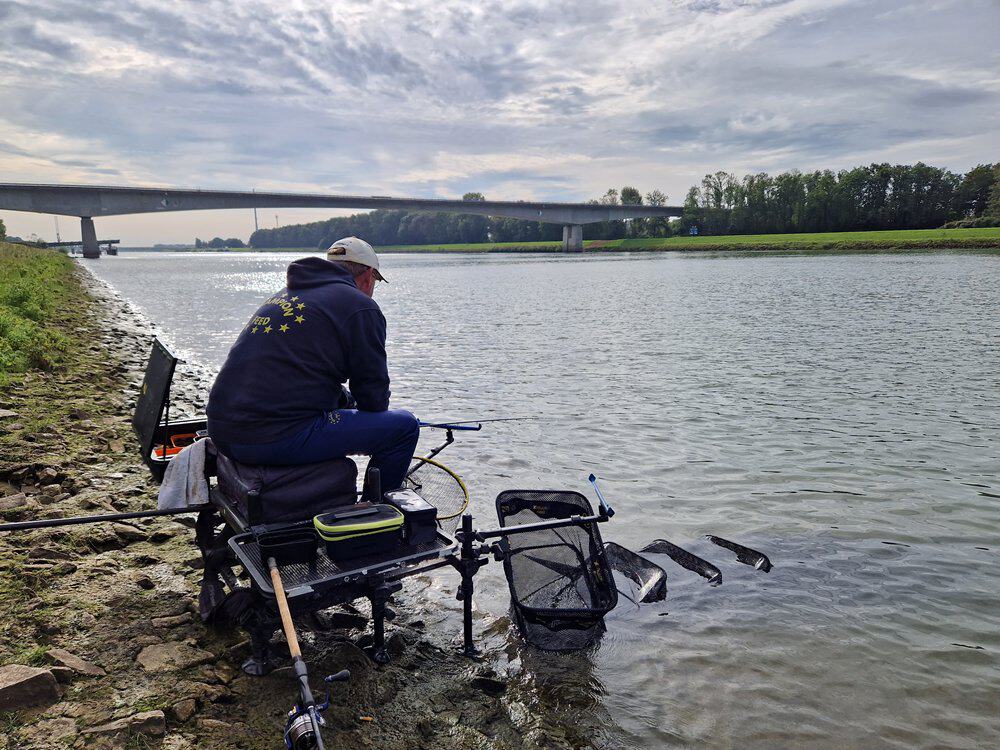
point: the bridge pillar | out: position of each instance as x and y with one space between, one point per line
89 236
572 238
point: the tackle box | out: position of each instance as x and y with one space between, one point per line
356 531
289 546
419 516
160 437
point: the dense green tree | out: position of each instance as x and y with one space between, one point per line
993 202
973 193
657 226
3 230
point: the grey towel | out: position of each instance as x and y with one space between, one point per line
184 483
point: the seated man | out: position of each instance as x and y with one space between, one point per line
279 398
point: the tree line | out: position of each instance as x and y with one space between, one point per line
877 196
217 243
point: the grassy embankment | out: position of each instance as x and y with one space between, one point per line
33 285
986 238
881 240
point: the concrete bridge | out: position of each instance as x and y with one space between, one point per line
90 201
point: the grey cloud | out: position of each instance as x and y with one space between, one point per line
240 94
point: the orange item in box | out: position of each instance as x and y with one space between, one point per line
182 439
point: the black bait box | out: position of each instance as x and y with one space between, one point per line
419 516
357 531
289 546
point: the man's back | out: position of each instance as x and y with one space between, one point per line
288 364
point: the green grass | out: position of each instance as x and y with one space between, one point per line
823 240
32 284
832 238
878 240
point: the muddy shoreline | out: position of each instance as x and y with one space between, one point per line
109 610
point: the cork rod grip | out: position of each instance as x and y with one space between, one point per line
286 616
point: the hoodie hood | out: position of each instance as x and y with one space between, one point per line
309 273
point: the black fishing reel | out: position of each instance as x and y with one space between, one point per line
304 724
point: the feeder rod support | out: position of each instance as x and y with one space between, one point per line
468 569
605 508
541 526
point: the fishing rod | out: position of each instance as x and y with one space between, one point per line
76 520
303 729
480 422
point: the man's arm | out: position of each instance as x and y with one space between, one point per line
368 373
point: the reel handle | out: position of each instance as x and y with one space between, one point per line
342 676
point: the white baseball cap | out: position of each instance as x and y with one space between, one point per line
358 251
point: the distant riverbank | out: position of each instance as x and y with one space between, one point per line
910 239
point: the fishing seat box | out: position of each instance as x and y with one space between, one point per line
419 516
362 530
264 494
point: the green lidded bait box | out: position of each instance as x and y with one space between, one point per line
362 529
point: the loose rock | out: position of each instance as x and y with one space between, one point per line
184 710
171 622
148 723
128 533
23 687
66 659
162 657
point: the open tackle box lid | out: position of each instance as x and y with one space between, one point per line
153 397
150 420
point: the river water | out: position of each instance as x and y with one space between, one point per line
840 412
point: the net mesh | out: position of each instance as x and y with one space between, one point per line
560 583
647 580
438 487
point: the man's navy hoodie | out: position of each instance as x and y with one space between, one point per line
289 363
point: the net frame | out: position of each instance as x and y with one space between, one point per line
439 486
561 584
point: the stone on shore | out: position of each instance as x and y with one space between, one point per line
7 414
171 622
162 657
66 659
24 687
184 710
128 533
148 723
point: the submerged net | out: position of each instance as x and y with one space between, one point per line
649 579
560 583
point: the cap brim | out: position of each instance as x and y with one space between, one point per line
379 276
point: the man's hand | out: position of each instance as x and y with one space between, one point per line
346 399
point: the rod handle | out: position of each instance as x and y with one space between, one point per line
286 616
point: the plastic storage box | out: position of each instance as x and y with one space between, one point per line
419 516
360 530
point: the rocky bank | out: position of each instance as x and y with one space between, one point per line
101 645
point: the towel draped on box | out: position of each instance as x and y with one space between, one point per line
184 483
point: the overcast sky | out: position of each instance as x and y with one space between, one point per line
519 100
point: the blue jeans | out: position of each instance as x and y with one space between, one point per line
389 437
